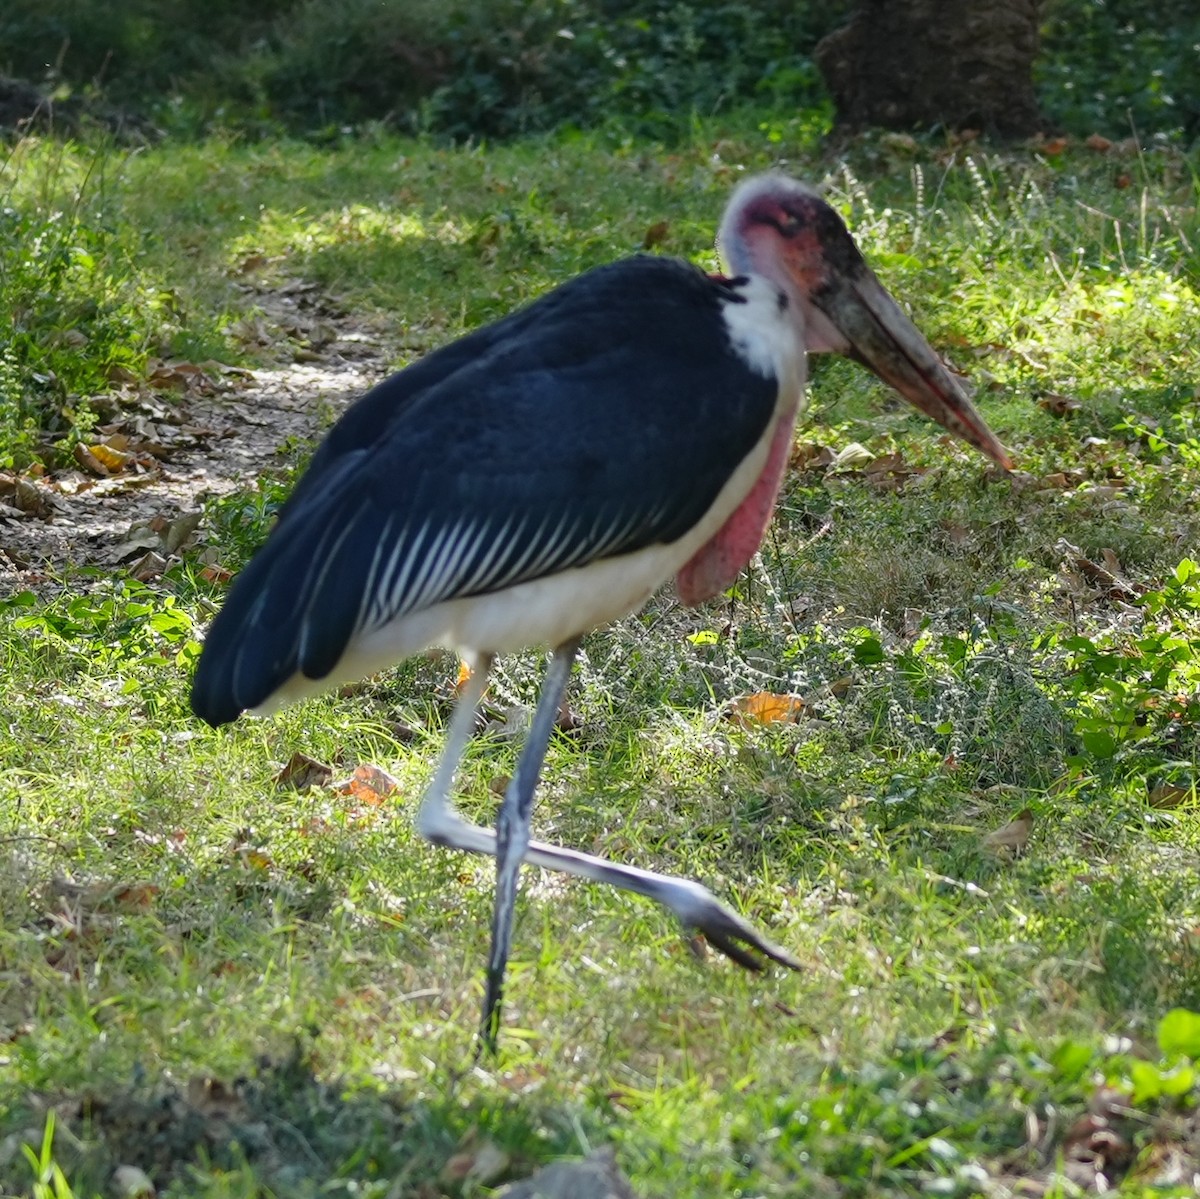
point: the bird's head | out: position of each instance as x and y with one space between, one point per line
783 231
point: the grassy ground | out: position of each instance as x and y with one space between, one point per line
244 989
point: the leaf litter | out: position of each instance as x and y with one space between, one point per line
181 433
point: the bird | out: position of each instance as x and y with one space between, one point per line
544 475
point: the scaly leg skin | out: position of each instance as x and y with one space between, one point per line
512 833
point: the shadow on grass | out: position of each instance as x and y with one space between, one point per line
289 1131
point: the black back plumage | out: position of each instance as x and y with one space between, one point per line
599 420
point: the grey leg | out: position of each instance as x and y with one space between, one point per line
512 831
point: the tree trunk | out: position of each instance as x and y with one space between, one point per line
910 64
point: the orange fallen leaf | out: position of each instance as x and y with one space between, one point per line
89 461
369 785
765 707
111 458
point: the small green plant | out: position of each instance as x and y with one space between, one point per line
1182 442
1137 690
49 1181
113 625
75 310
1174 1076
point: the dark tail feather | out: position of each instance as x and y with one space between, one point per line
293 608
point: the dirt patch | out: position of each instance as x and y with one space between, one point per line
188 432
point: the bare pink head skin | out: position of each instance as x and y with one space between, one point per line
782 231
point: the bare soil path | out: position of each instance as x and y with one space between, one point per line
187 432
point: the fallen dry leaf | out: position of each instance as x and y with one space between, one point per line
890 471
1170 795
89 461
175 532
568 719
302 772
764 707
252 262
1058 480
1104 578
113 458
104 895
808 455
27 498
254 858
216 574
178 375
136 545
854 455
656 235
1058 405
149 566
1099 143
1010 839
369 785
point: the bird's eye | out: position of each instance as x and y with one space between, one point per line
789 225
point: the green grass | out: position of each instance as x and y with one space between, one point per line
246 990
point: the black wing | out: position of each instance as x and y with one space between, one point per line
602 419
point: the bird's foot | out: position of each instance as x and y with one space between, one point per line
723 928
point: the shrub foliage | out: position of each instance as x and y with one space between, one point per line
472 68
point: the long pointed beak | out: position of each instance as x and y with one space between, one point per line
885 341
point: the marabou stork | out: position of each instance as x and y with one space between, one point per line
544 475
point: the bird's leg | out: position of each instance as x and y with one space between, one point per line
437 821
512 831
694 905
